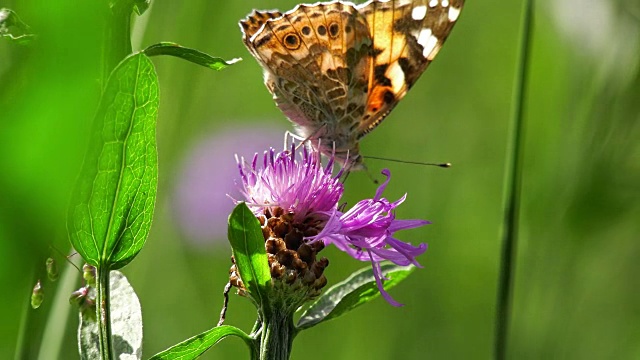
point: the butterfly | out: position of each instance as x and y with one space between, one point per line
337 69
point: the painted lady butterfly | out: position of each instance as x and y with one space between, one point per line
337 69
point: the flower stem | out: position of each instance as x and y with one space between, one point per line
103 312
513 174
277 336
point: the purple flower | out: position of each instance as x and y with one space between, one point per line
299 185
366 233
302 187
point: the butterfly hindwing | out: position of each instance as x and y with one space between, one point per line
315 57
252 25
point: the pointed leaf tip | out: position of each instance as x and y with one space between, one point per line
191 55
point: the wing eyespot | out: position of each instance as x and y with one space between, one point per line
292 41
322 30
334 30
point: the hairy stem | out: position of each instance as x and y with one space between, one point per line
277 336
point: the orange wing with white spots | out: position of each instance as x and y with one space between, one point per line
407 35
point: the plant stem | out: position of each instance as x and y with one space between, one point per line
277 336
513 174
117 38
103 312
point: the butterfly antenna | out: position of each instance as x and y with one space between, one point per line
442 165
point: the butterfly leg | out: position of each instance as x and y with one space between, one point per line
289 136
314 135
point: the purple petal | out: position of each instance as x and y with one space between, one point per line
381 188
293 180
377 274
401 224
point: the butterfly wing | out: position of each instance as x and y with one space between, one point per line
315 59
407 35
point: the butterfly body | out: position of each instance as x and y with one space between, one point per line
337 69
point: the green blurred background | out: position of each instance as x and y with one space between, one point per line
577 293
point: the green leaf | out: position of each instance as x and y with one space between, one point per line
357 289
111 211
197 345
126 323
12 27
247 245
192 55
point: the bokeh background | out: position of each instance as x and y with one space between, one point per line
577 293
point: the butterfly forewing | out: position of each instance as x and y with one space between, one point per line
315 59
407 35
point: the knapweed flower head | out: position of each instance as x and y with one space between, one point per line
296 199
291 193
